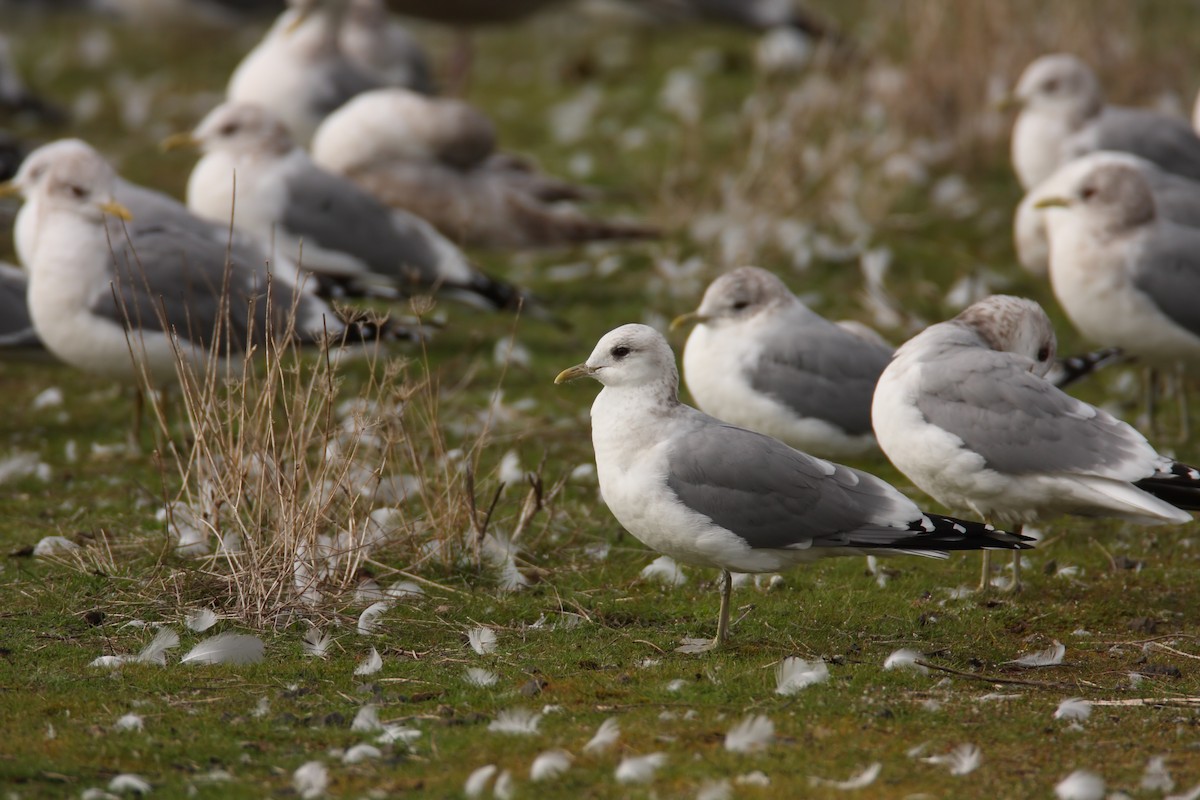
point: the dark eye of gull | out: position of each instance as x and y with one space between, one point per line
79 191
1051 85
741 304
620 351
1043 353
1087 192
228 129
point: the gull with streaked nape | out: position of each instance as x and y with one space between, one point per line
1177 198
963 410
298 71
323 221
761 359
437 158
383 48
711 494
125 301
1064 116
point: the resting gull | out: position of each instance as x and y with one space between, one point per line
298 70
1177 198
1063 116
964 412
707 493
323 221
437 158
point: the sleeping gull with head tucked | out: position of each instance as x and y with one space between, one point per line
323 221
1063 116
707 493
964 412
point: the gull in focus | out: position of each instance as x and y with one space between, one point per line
383 48
1063 116
323 221
963 410
710 494
1177 198
298 70
760 359
437 158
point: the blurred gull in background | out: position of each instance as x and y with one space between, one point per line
383 48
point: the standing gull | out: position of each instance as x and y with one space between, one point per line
964 412
1063 116
298 70
323 221
707 493
436 157
760 359
1176 197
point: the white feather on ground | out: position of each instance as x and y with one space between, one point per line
52 545
369 619
550 765
503 788
756 778
483 640
370 665
226 648
1190 794
606 736
1080 785
1157 778
794 674
127 783
639 769
404 590
310 780
367 720
517 721
1050 657
316 643
156 651
1073 708
361 752
477 781
859 781
753 734
962 760
477 676
201 620
129 722
664 570
715 790
398 733
905 658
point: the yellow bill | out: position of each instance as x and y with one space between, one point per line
178 141
9 189
575 373
1053 202
116 209
690 318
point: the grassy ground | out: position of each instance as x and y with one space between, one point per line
760 154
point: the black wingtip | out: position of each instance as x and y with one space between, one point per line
1179 485
503 296
950 533
1073 368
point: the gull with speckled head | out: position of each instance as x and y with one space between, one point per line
714 495
323 221
761 359
1063 116
964 411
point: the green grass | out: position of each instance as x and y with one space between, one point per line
56 616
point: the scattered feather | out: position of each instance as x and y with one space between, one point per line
311 780
1050 657
367 720
316 643
1190 794
859 781
398 733
127 783
477 781
110 662
751 735
129 722
962 760
1080 785
905 658
262 708
549 765
664 570
1073 708
881 575
481 677
517 721
404 590
369 619
1157 778
96 794
361 752
794 674
370 665
226 648
639 769
503 789
53 546
715 790
676 685
756 778
156 651
606 736
201 620
483 640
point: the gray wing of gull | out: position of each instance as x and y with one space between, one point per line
1166 140
16 328
1167 270
1020 424
775 497
821 371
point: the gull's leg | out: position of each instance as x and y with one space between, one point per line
1149 420
1015 586
1185 421
704 645
985 577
